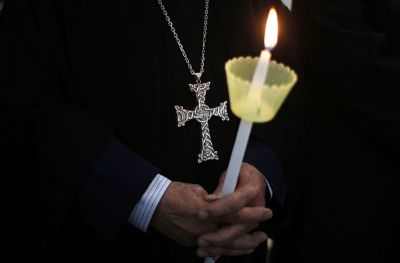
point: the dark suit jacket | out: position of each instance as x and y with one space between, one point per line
79 74
344 201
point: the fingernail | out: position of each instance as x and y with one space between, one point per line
203 215
212 197
201 253
263 237
203 243
268 214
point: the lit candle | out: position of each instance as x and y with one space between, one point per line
261 71
254 98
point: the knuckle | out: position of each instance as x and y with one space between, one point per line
237 217
197 186
246 196
232 206
218 242
240 201
257 188
253 190
246 166
234 199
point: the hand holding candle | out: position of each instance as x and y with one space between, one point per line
255 101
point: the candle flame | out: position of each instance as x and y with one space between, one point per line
271 30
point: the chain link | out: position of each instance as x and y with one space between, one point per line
178 41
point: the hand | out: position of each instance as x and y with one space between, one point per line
241 212
176 213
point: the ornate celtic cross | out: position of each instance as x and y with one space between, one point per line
202 113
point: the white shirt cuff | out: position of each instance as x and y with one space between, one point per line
144 209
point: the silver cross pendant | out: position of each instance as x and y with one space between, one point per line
202 113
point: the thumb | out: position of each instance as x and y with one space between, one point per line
217 192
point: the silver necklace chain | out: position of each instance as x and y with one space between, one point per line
197 75
202 113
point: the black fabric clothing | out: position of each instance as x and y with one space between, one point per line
111 191
344 201
76 74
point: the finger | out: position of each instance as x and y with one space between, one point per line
212 197
225 235
229 204
248 215
217 192
248 241
217 252
221 180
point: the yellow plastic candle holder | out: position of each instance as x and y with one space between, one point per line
279 82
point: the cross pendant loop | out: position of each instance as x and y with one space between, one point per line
198 77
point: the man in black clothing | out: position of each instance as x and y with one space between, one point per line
96 164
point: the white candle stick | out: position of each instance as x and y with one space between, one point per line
260 74
254 96
237 155
261 70
243 134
